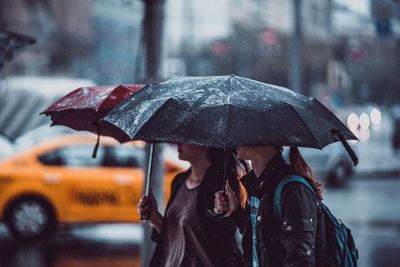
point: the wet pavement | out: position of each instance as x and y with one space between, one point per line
84 246
370 207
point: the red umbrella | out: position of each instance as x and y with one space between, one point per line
84 108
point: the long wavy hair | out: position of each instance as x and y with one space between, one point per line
235 170
300 165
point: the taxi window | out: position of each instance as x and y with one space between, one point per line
52 159
121 156
74 156
81 156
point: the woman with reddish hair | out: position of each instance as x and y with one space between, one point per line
293 239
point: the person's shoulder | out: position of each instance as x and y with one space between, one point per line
292 187
297 189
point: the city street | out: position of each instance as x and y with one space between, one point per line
86 246
368 206
370 209
208 76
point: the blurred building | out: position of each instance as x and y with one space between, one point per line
251 38
351 20
316 17
345 44
88 39
22 98
94 40
63 30
368 51
203 20
117 38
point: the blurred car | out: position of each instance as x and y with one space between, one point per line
58 182
331 165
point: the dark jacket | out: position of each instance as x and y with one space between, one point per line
221 242
292 241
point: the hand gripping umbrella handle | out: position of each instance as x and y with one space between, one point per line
210 213
148 176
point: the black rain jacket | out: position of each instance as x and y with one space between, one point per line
297 239
222 246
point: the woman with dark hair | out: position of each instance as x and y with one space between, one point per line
294 239
185 235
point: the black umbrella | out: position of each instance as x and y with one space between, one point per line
11 43
227 112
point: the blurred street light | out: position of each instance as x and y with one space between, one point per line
376 116
352 121
364 135
364 121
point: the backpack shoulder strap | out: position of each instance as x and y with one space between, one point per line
279 189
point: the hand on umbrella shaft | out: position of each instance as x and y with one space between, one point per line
225 202
147 208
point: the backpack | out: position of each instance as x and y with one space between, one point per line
340 249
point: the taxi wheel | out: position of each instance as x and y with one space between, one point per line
30 219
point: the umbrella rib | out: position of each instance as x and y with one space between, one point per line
338 121
227 124
229 112
305 124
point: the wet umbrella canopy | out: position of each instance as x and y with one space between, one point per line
226 112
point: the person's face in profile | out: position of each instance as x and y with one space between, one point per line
189 152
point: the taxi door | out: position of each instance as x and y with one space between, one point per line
101 189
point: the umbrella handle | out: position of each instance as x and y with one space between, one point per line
346 146
148 175
210 213
96 147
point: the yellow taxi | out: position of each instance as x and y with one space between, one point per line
57 181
